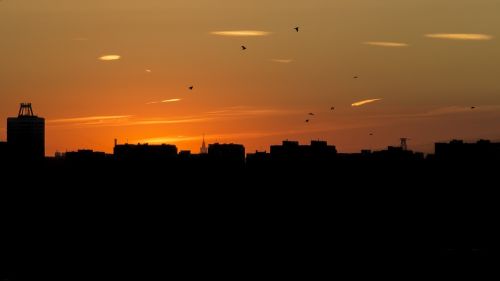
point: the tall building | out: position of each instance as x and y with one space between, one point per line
4 151
26 134
203 148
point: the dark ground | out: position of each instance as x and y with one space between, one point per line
143 223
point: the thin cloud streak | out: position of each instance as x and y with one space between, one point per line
167 121
363 102
440 112
450 110
241 33
460 36
110 57
386 44
170 100
250 112
164 101
282 60
90 119
130 120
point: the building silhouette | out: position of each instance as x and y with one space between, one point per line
292 151
458 150
145 152
26 134
83 156
227 154
394 153
4 150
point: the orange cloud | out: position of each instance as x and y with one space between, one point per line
282 60
164 101
241 33
110 57
387 44
363 102
460 36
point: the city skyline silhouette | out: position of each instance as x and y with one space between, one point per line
393 204
195 139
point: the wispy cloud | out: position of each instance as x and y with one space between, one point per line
460 36
386 44
90 119
166 121
449 110
164 101
110 57
363 102
241 33
242 111
130 120
282 60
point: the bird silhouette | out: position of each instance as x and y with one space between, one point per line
243 48
311 114
355 77
296 29
332 108
371 134
307 120
472 107
191 87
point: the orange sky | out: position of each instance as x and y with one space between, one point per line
425 64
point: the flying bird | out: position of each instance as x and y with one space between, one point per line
296 29
307 120
311 114
191 88
472 107
243 48
371 134
332 108
356 77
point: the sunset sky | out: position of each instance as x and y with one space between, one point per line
104 69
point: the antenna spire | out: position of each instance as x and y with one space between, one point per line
25 110
404 143
203 149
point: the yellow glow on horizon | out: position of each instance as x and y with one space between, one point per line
460 36
241 33
363 102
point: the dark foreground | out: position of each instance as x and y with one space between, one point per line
145 221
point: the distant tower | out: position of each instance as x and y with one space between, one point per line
203 149
404 143
26 134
